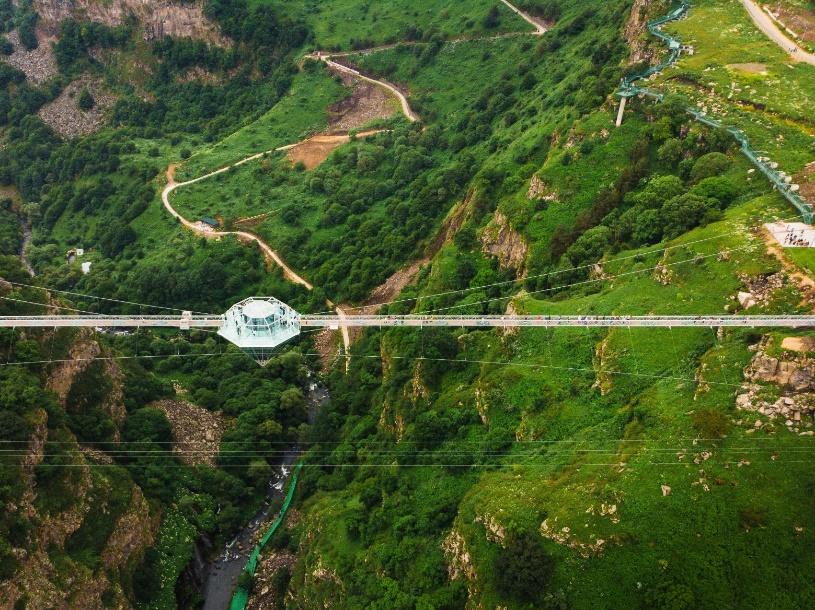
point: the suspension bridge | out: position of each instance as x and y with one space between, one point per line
258 325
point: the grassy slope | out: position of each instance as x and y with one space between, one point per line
698 534
300 114
248 190
698 541
337 22
774 109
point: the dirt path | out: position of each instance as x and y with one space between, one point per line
406 109
805 283
269 253
766 24
204 231
540 28
324 141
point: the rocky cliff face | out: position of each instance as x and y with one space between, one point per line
635 31
159 18
499 239
49 574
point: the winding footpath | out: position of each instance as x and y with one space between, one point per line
197 228
540 29
767 25
406 109
269 253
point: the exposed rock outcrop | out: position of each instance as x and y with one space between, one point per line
635 33
459 562
65 116
759 291
602 354
196 432
539 190
499 239
794 373
159 18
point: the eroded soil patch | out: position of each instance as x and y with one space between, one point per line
366 103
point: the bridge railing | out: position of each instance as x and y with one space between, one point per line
628 88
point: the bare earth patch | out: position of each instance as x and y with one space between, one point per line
749 68
798 344
798 19
806 180
366 103
38 65
196 432
315 150
804 283
64 116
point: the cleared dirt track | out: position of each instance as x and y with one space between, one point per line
540 29
766 24
406 109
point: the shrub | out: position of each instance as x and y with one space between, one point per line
711 164
669 596
523 568
710 423
751 518
86 101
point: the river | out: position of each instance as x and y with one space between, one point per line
223 571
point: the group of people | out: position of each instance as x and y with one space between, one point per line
796 238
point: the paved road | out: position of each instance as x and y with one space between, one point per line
766 24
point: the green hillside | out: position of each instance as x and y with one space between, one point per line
449 468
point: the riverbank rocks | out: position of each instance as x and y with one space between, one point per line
265 594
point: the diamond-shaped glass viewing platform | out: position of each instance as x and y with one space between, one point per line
258 325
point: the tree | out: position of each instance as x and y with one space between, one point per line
86 101
671 151
492 18
523 568
711 164
685 212
148 425
115 236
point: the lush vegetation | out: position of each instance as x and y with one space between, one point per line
529 469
